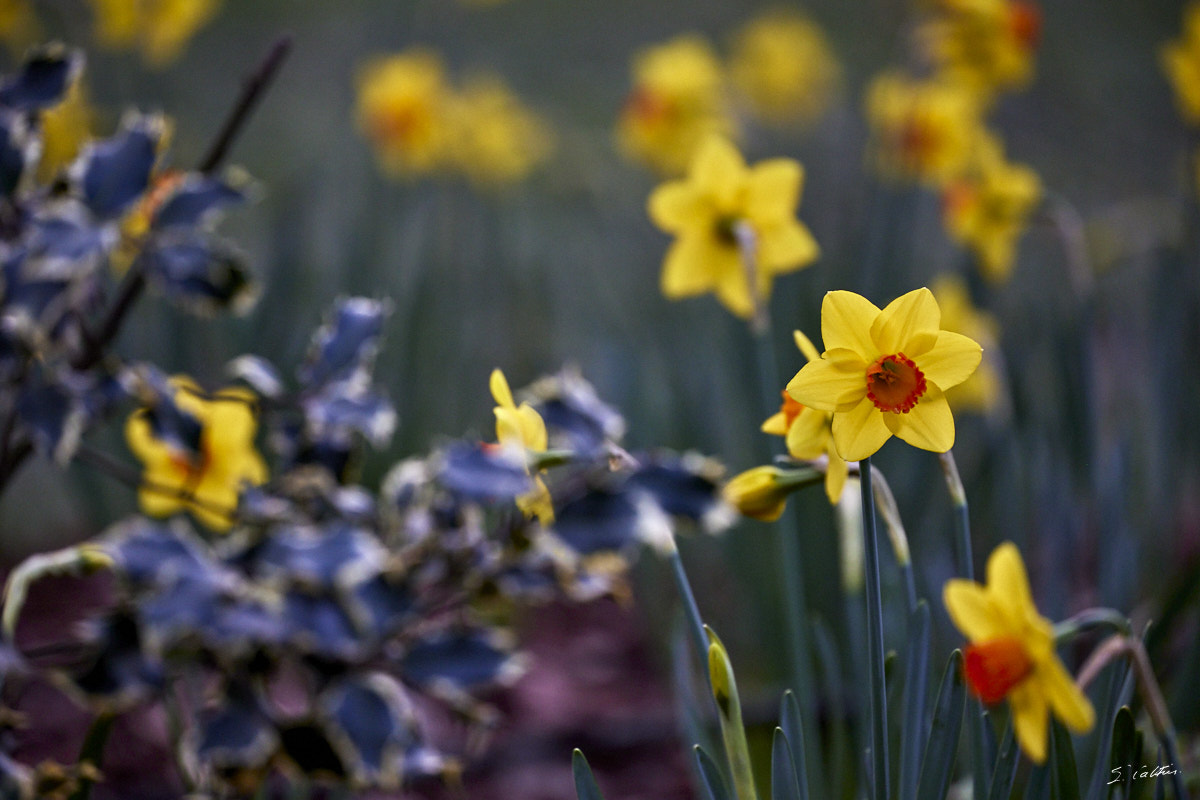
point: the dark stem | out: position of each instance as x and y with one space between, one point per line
878 689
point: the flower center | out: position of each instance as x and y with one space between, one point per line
1025 22
895 384
790 408
994 667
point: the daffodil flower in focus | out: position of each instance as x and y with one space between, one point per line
885 373
207 482
522 429
1011 655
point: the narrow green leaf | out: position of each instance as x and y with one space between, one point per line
916 688
938 761
729 708
1064 775
784 785
1005 771
1118 675
585 781
710 776
842 771
789 719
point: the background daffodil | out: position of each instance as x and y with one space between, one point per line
705 211
1012 655
885 372
807 431
522 428
205 483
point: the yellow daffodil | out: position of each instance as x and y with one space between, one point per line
18 24
784 67
988 44
984 391
677 100
1181 61
807 431
1012 655
921 130
66 127
987 208
721 208
758 493
522 429
495 139
885 372
403 105
159 28
206 484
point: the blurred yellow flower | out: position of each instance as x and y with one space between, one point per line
496 140
758 493
403 109
1012 655
1181 61
988 44
807 431
983 392
522 429
66 127
987 207
720 203
783 65
885 372
206 484
677 100
921 130
158 28
18 25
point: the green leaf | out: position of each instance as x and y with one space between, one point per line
843 768
1005 771
710 776
942 746
789 719
784 785
729 709
1118 678
1064 775
916 688
585 781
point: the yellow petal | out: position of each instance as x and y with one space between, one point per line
808 435
718 171
156 502
858 433
1067 701
973 611
806 346
773 190
951 360
533 427
835 475
827 384
776 425
675 206
785 247
500 391
691 266
929 426
1009 585
1030 719
846 320
909 324
733 290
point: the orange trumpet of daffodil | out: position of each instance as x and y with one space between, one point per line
1011 655
885 373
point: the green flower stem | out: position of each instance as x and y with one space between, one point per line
695 624
1091 618
885 504
966 568
878 693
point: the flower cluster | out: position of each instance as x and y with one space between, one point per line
780 69
420 124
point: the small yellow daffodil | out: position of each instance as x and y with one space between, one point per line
783 65
159 28
885 373
807 431
1011 654
522 429
207 483
921 130
987 208
986 44
403 109
719 210
495 140
1181 61
677 100
984 391
66 127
